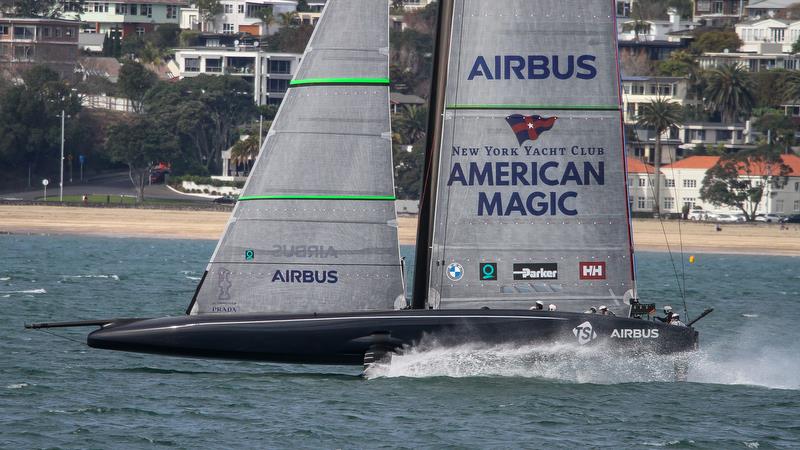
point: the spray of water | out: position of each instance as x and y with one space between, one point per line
573 363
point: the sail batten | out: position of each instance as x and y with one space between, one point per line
315 229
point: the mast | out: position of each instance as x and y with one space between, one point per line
433 140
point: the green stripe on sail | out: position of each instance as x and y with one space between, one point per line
389 198
551 107
310 81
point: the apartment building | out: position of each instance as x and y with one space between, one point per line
25 42
127 17
768 35
240 16
240 56
719 12
753 62
762 9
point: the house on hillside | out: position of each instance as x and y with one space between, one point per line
718 13
124 17
25 42
239 16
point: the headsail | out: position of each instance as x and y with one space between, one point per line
315 229
532 200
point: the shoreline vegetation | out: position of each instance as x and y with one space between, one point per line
699 237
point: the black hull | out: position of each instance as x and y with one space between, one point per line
345 338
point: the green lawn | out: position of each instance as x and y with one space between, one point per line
115 199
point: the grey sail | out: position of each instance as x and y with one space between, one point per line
532 200
315 229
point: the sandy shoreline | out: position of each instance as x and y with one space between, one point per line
760 239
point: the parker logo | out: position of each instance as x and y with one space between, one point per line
635 333
542 271
592 270
584 333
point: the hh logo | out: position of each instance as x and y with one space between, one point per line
592 270
584 333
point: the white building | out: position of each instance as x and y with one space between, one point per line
640 90
641 187
269 73
763 9
754 62
768 35
238 16
654 30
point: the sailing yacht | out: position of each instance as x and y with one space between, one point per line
524 203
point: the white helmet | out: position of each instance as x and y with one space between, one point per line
603 308
676 316
539 303
551 307
667 308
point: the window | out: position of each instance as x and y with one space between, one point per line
697 135
277 85
23 32
23 53
57 32
689 183
46 32
642 204
703 5
796 205
273 101
227 9
192 65
214 65
717 8
172 11
227 28
101 7
779 206
68 32
134 9
630 182
4 29
669 203
637 89
140 31
253 9
240 9
121 8
724 135
146 10
669 182
797 186
642 182
212 43
688 202
278 66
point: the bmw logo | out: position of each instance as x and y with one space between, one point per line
455 271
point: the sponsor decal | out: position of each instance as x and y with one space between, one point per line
305 276
594 270
249 255
635 333
455 271
584 333
488 271
224 283
533 67
304 251
528 128
536 271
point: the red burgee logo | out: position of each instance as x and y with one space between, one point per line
593 270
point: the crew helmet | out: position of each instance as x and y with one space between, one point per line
667 308
551 307
603 308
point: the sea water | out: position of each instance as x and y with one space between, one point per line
743 387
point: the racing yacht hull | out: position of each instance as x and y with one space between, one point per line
346 338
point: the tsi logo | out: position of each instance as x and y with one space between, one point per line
584 333
635 333
592 270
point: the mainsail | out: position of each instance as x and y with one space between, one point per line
315 229
531 199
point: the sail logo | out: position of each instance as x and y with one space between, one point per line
455 271
635 333
529 127
304 251
592 270
544 271
584 333
306 276
533 67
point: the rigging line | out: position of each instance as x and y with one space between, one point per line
680 237
60 336
660 218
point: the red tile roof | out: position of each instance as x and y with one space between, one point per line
637 166
707 162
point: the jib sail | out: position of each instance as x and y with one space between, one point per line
315 229
531 201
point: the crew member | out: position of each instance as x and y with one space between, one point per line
551 307
667 314
591 310
539 306
604 311
676 320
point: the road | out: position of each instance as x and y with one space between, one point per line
113 184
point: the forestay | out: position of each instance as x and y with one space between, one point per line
532 201
315 229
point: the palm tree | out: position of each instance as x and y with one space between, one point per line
412 123
245 151
660 115
288 19
730 91
267 19
791 87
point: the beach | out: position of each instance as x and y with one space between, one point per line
649 234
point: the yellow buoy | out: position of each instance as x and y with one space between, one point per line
691 259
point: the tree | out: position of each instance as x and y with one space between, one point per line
716 41
790 91
140 144
411 124
408 168
134 83
208 10
730 91
31 8
777 128
302 6
660 115
739 179
288 19
245 151
267 18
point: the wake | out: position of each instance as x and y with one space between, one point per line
572 363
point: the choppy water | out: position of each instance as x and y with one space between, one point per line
743 389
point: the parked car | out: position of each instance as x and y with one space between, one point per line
225 200
698 214
794 218
769 218
729 218
158 176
